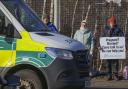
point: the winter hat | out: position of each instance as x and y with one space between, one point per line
84 21
45 16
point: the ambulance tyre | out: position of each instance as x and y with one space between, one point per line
29 79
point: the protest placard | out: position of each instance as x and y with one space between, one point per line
112 48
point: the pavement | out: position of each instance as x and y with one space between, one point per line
104 84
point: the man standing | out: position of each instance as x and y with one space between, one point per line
46 21
84 35
112 30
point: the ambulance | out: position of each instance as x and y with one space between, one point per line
41 58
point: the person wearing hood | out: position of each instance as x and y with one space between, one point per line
84 35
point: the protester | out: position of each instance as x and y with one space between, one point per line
112 30
84 35
46 20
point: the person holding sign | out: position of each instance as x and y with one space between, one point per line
112 30
85 36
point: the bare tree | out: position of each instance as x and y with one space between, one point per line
74 18
52 11
83 12
89 7
44 6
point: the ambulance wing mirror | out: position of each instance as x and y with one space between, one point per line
10 31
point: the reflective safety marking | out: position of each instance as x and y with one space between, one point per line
1 47
2 36
41 55
31 62
13 47
28 59
7 59
2 40
25 59
4 45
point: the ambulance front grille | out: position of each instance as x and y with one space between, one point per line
81 58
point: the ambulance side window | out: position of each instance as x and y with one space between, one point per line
6 28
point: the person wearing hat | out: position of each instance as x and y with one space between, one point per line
84 35
46 21
112 30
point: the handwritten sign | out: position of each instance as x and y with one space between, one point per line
112 48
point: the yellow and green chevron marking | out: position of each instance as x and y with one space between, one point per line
23 51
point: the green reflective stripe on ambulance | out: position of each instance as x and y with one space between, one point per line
34 58
7 43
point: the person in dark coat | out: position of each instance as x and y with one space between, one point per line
51 26
112 30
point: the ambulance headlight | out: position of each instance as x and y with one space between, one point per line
59 53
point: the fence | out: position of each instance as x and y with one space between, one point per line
73 11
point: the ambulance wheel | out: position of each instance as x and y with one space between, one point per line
29 79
